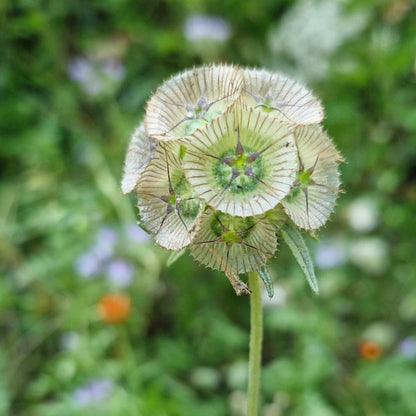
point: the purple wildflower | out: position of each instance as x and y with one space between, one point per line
408 347
88 265
105 241
95 391
79 69
203 26
135 234
120 273
329 254
113 68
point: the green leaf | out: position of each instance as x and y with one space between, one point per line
265 275
175 255
297 245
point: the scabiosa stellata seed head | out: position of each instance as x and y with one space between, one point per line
226 159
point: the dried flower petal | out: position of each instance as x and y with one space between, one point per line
139 153
312 199
165 200
233 244
189 100
281 97
242 163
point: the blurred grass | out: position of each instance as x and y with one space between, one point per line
74 79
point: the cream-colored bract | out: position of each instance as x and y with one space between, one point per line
139 153
189 100
164 198
242 163
280 97
312 200
233 244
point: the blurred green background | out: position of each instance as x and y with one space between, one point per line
74 79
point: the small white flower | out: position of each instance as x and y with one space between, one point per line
363 215
279 298
370 254
69 341
311 32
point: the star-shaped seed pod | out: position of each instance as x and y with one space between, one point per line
233 244
280 97
314 193
242 163
139 153
191 99
165 199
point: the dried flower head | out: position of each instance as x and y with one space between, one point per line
229 160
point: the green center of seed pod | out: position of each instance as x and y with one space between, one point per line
304 178
303 181
230 237
239 161
230 229
239 170
180 196
172 199
238 173
266 106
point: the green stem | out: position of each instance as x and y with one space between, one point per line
256 338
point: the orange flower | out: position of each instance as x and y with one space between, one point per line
114 308
370 350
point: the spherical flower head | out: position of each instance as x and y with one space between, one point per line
113 308
225 159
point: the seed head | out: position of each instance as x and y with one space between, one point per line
226 157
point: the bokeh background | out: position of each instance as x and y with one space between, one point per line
91 318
